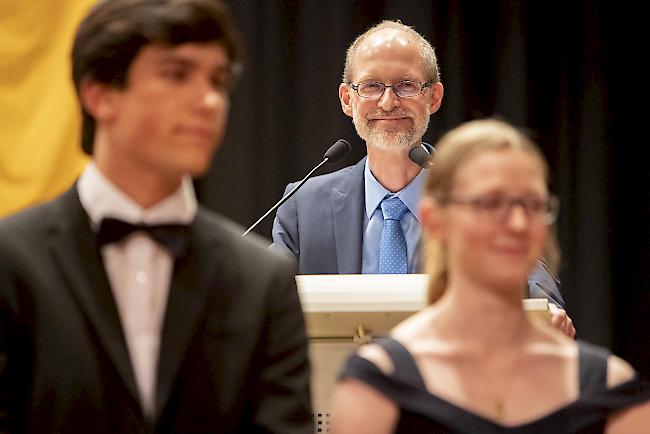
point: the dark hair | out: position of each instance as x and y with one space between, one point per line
114 31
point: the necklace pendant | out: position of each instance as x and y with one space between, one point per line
499 408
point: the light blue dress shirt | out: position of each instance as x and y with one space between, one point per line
373 220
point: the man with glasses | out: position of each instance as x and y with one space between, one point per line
363 218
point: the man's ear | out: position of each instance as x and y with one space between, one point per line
432 218
98 99
436 93
344 96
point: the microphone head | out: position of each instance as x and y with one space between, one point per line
337 150
420 155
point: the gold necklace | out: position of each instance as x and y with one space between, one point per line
499 408
499 399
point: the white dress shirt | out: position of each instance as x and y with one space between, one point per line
139 269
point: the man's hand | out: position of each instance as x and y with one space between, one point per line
561 321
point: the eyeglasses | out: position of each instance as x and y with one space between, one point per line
497 208
403 89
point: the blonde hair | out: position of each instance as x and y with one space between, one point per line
453 149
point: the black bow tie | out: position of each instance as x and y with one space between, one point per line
173 236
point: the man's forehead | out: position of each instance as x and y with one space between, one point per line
382 39
209 54
188 48
389 54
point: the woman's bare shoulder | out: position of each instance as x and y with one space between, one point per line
618 371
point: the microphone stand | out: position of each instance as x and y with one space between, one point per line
287 196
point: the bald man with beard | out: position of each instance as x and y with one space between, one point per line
335 223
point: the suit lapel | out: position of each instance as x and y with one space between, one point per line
73 245
188 292
348 203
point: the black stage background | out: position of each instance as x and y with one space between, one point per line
564 70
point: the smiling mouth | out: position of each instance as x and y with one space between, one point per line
513 251
200 132
390 119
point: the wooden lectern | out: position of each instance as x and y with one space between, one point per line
345 311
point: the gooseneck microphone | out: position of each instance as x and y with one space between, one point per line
333 154
421 155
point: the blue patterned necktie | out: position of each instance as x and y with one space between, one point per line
392 247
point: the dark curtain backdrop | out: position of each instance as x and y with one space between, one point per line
563 70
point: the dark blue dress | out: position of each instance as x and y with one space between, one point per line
422 412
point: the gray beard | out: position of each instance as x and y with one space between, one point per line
391 140
396 141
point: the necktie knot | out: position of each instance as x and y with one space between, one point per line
173 236
393 208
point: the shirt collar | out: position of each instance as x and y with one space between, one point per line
375 192
101 198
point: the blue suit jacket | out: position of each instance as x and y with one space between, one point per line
322 226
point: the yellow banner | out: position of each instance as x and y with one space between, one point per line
40 121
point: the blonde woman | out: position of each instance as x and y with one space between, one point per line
473 361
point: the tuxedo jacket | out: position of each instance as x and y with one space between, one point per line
233 353
322 226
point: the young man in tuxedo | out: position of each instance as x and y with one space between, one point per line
335 223
124 305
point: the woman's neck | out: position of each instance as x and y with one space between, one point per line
482 317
